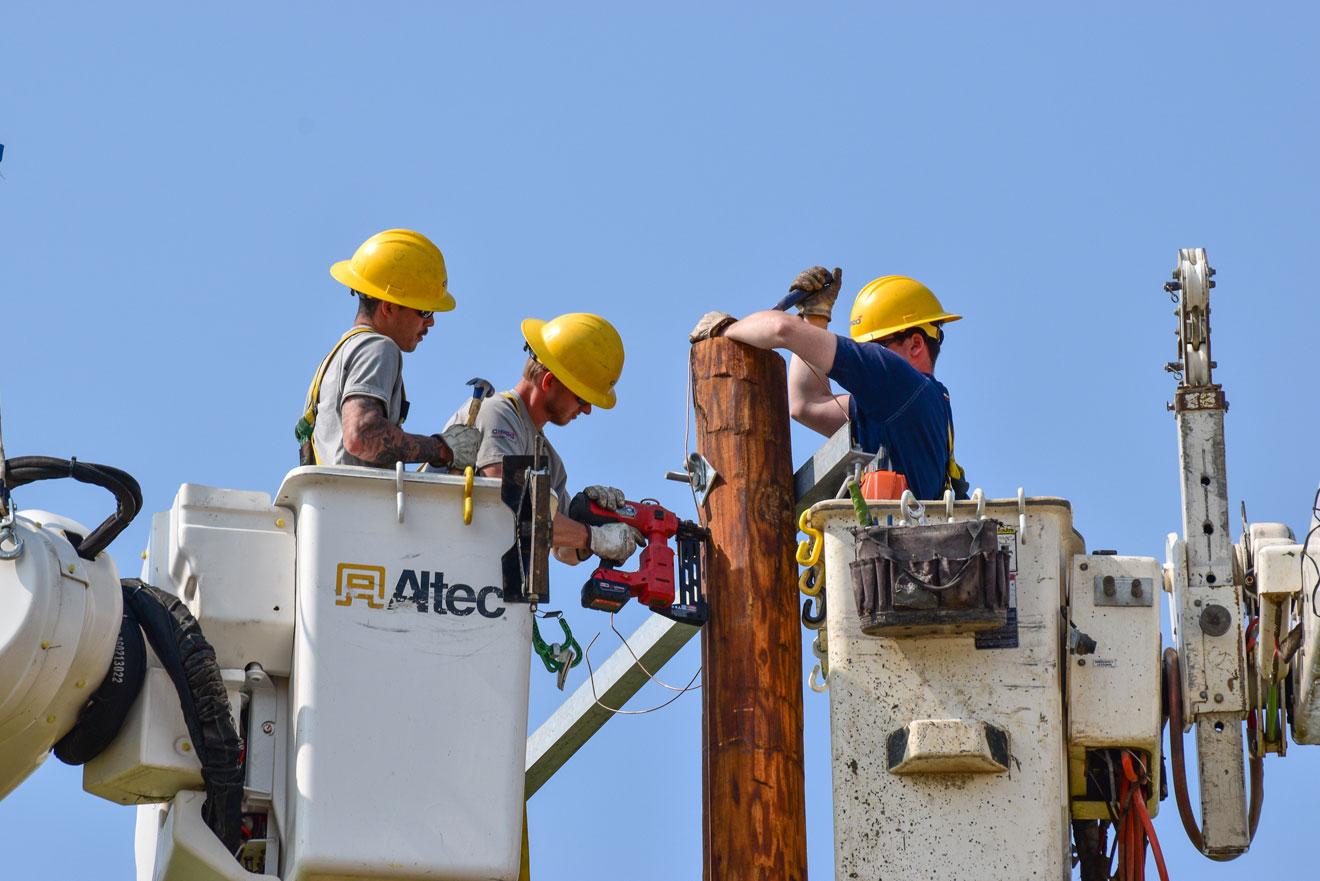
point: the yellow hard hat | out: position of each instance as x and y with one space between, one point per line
583 350
895 303
401 266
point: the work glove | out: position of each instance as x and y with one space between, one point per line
615 542
712 324
463 442
822 288
606 496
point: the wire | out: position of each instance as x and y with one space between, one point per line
642 667
1315 518
628 712
1142 814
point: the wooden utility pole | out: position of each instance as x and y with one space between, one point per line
753 785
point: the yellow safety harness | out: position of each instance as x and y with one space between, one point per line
955 478
306 426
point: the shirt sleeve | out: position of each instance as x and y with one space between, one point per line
372 369
882 383
501 432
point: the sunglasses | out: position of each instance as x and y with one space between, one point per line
424 313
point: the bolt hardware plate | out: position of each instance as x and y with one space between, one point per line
1121 590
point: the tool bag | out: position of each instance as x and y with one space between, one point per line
938 579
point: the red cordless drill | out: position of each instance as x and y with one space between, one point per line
609 588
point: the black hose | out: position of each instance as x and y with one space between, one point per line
177 640
128 495
101 719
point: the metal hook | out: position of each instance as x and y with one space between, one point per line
398 490
948 505
811 619
914 513
1022 516
978 496
811 581
7 533
820 648
819 685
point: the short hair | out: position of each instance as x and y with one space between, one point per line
367 306
533 370
932 344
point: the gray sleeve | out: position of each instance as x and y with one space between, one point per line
502 432
372 368
561 490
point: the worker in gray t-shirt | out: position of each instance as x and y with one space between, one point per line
574 362
356 403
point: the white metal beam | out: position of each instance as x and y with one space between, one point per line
616 681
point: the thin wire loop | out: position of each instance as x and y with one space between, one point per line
618 711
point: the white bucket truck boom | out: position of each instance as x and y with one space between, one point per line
357 707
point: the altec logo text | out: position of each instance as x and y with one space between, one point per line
365 584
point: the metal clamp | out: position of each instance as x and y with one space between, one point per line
698 473
948 505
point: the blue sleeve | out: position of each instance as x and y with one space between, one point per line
882 383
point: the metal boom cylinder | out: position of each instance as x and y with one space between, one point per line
754 803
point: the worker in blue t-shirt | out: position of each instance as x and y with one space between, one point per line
896 405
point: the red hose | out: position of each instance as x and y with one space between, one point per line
1142 814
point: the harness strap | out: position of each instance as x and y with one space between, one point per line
306 426
955 478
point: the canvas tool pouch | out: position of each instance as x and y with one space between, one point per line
937 579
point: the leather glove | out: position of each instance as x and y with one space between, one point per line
606 496
615 542
822 287
463 442
712 324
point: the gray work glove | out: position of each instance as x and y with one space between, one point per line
463 442
712 324
823 288
606 496
615 542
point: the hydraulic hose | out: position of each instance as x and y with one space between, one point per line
176 638
103 716
23 470
1174 712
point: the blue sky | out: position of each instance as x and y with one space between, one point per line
176 183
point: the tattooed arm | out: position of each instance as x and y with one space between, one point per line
371 437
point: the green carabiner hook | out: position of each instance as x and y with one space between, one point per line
549 654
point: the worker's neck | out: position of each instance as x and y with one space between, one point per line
533 398
922 363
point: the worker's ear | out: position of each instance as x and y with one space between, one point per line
915 345
547 380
